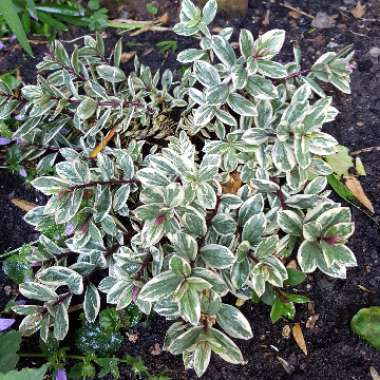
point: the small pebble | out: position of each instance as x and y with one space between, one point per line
360 124
332 45
374 52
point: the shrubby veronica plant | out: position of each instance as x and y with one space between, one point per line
174 192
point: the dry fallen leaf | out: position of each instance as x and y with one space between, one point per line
299 338
127 56
164 18
23 204
133 338
356 188
289 369
311 308
217 29
294 14
156 350
364 289
286 331
239 302
359 10
374 374
266 20
292 264
323 21
103 143
311 321
233 185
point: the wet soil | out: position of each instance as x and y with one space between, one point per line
334 353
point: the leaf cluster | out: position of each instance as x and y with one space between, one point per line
174 218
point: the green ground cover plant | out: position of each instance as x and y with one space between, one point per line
171 192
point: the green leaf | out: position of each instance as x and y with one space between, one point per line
296 298
282 309
253 205
338 254
86 108
224 347
267 247
233 322
185 340
261 88
152 9
194 222
209 11
49 185
203 115
152 177
185 246
206 73
180 266
295 277
218 284
254 228
91 302
341 162
110 73
202 355
9 345
59 275
9 12
241 105
17 268
190 10
246 42
269 44
322 144
218 94
35 291
290 222
160 287
224 224
272 69
334 216
312 231
217 256
190 55
61 321
26 374
308 256
283 156
190 306
366 324
120 294
223 50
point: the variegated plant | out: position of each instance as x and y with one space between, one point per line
174 220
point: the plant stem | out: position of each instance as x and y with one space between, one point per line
72 357
111 183
10 253
297 74
30 355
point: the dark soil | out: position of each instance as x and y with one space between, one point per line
334 351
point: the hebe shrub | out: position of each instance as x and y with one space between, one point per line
176 191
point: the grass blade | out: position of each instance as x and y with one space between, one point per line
11 17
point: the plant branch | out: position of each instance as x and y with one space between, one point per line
105 183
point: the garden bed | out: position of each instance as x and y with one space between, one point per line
334 352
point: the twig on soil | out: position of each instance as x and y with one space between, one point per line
366 150
286 5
